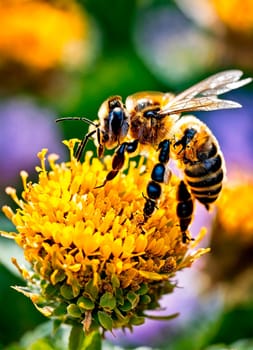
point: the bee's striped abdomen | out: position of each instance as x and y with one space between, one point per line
205 176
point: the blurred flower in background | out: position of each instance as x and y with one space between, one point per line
40 40
30 33
222 16
237 16
25 128
231 26
171 47
205 36
230 266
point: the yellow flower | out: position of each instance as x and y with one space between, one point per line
235 14
42 35
231 242
93 259
234 210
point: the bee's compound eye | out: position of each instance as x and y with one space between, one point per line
116 118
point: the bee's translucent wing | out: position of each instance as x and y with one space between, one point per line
208 103
203 96
228 87
214 85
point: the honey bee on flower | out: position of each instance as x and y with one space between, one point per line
154 119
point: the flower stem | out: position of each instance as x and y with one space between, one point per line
78 340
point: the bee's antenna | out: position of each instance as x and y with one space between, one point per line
83 119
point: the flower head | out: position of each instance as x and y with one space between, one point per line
237 16
235 210
231 263
93 259
230 24
42 35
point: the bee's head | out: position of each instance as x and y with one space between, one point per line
113 122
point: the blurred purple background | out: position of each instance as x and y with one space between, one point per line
25 129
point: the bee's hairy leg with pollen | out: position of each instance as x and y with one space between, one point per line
158 175
184 209
119 159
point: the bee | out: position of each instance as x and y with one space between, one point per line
155 119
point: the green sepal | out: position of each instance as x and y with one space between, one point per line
133 298
67 292
91 290
115 281
60 310
74 311
143 289
48 290
105 320
137 320
85 304
107 301
119 296
58 276
119 315
120 320
145 299
127 306
75 288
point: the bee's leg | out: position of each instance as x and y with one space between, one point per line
184 209
119 159
158 176
82 144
